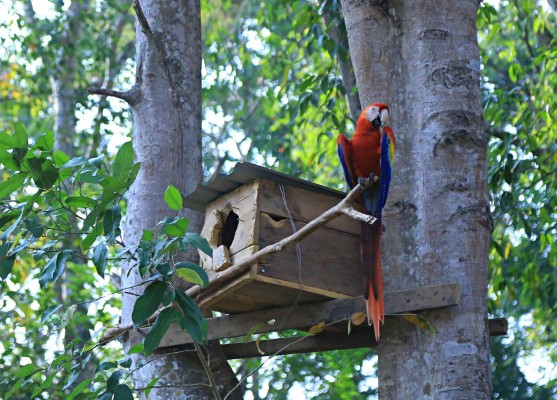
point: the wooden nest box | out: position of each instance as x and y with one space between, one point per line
244 212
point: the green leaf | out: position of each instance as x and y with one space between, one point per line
74 162
79 201
46 141
97 161
25 371
173 198
191 318
199 242
15 388
11 184
90 175
79 388
112 189
34 226
123 162
155 335
43 171
21 141
49 311
7 232
100 258
6 262
105 365
91 237
136 349
148 235
123 392
6 141
192 273
54 268
151 384
8 217
178 228
60 158
148 302
111 223
113 381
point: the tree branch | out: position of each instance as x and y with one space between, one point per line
342 208
141 17
131 96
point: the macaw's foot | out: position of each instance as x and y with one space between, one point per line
367 182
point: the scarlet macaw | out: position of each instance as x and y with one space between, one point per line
371 152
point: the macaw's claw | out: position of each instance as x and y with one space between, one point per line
363 181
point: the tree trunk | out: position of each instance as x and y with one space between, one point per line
166 105
422 58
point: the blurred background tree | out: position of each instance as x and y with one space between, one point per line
277 92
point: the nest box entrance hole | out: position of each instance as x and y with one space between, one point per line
229 228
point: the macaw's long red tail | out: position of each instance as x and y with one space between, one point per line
373 276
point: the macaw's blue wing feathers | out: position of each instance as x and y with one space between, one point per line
345 157
387 164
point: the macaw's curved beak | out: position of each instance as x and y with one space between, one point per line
383 117
377 122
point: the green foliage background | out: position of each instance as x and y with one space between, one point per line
273 94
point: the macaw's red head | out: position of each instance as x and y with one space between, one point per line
373 116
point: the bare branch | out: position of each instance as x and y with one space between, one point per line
131 96
141 17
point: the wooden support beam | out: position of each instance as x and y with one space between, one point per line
310 344
361 338
307 315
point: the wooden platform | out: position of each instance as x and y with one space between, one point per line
304 316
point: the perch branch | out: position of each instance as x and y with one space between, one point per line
344 207
130 96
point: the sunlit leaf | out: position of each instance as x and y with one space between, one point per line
173 198
123 162
11 184
421 322
192 273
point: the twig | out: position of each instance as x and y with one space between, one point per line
208 371
277 353
344 207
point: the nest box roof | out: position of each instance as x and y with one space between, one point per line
244 173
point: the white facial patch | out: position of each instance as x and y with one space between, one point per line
372 113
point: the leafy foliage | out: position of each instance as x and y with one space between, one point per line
36 220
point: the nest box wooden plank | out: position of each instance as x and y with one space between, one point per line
253 215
